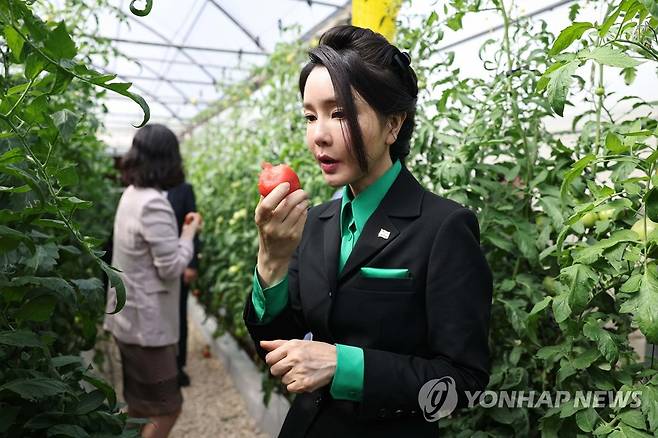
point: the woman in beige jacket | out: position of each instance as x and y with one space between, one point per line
151 256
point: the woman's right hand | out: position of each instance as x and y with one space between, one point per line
280 218
191 225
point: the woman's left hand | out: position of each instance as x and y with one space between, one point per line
304 365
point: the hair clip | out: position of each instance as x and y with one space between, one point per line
402 59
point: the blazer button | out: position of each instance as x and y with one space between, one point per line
398 413
318 401
331 294
381 413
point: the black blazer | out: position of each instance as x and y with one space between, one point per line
412 330
182 201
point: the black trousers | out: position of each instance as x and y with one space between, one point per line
181 359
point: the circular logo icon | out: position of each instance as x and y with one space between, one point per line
438 398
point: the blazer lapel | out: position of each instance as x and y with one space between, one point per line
331 241
403 199
378 232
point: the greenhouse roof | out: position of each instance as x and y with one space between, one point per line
179 53
176 56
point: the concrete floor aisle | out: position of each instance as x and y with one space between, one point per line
212 407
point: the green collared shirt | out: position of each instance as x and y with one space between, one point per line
347 383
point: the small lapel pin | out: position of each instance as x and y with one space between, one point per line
384 233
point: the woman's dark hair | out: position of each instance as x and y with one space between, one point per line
154 159
364 61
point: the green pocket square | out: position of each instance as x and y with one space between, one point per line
384 273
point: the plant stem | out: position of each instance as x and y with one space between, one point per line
5 61
599 108
645 250
512 95
21 98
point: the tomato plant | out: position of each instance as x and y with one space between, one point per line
53 168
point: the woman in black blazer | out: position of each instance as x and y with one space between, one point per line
389 279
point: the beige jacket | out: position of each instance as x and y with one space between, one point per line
152 258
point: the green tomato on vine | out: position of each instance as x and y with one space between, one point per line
638 227
589 219
606 214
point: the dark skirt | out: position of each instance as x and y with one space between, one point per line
150 379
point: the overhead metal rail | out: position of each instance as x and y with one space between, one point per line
183 48
169 99
171 80
320 3
244 30
157 75
205 64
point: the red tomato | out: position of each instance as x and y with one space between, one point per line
272 176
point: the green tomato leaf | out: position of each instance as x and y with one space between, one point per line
35 388
148 4
580 279
37 309
576 170
557 88
88 285
55 284
630 432
565 371
568 36
650 405
34 64
538 307
652 204
613 57
59 43
90 402
561 309
644 305
607 346
66 122
44 260
586 419
67 176
62 361
70 430
14 41
586 359
103 386
632 285
633 418
614 144
117 284
610 20
10 238
629 74
455 22
20 338
652 7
